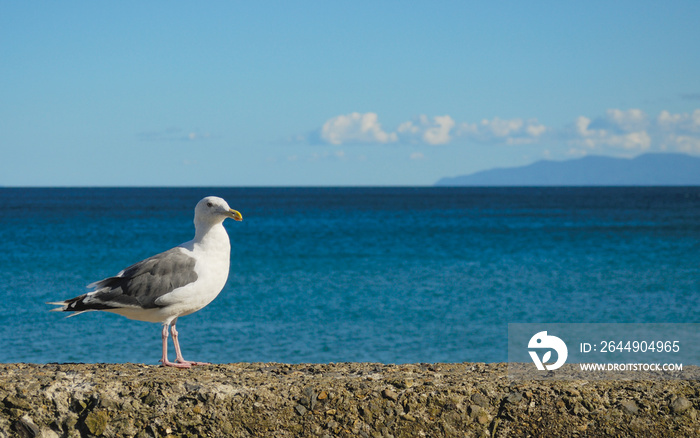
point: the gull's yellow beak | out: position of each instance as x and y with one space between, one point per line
236 216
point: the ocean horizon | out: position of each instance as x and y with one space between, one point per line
338 274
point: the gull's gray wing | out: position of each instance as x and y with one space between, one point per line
139 285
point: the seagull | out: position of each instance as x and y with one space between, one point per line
171 284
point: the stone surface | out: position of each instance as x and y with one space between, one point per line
333 400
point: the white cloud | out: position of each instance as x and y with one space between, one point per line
625 131
687 123
632 120
355 128
417 156
634 131
433 132
535 130
680 132
619 129
666 120
682 143
505 131
502 128
438 130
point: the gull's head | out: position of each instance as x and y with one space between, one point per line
213 210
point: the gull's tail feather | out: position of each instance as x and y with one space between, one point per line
73 305
63 304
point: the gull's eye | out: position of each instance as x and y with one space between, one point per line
210 205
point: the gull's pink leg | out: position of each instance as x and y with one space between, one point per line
164 359
178 353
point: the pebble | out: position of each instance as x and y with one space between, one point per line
390 394
479 414
480 400
629 407
18 403
680 405
514 397
408 417
26 427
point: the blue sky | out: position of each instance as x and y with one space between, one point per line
337 92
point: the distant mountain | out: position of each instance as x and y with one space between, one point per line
644 170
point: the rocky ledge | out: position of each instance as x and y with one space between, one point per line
333 400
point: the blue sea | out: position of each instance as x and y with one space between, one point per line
392 275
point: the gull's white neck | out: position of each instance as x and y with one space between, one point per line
211 237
